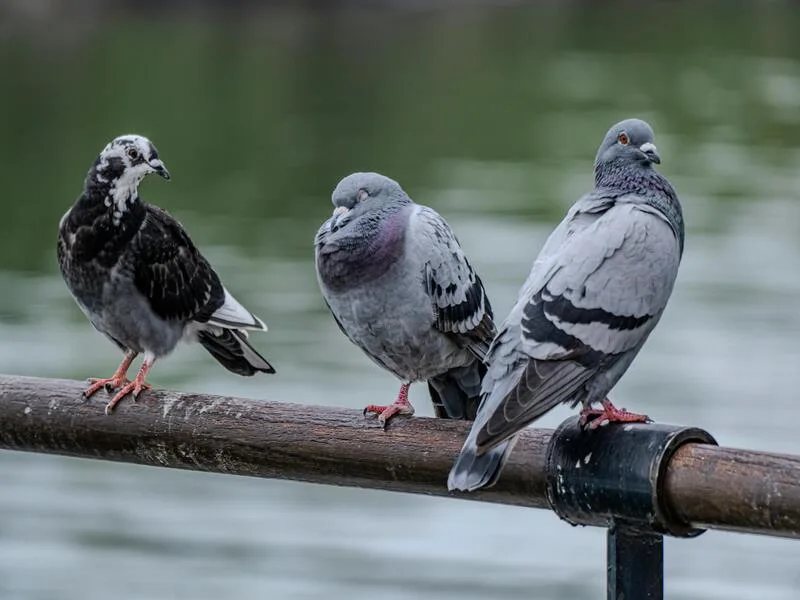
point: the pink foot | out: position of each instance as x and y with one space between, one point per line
117 380
135 387
401 406
592 418
109 383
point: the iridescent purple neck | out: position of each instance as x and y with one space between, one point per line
617 178
367 249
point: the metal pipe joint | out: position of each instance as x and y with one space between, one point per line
614 475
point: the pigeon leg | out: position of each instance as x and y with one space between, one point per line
134 387
592 418
401 406
117 380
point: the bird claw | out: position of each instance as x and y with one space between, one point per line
134 388
594 418
109 384
387 412
383 420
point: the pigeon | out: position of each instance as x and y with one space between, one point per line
137 276
597 289
399 287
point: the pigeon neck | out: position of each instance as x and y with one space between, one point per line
118 194
618 179
624 176
366 252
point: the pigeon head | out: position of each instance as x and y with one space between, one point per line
628 142
128 159
361 193
119 169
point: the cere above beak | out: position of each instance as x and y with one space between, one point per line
338 213
158 166
651 152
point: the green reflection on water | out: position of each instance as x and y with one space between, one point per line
258 117
494 112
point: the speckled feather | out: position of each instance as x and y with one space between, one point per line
135 272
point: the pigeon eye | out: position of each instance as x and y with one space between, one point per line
623 139
362 195
133 153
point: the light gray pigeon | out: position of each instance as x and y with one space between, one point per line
400 288
594 294
138 277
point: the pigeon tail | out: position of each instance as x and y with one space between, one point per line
232 350
456 394
472 471
233 315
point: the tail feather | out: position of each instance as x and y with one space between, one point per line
526 394
456 394
232 350
472 471
233 315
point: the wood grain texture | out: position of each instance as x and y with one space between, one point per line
256 438
738 490
706 486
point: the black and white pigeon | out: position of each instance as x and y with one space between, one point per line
596 291
399 286
138 277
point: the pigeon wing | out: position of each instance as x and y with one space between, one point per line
170 272
587 304
460 304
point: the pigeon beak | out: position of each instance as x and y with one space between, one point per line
340 210
651 152
338 213
158 166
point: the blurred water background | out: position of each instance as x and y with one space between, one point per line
491 115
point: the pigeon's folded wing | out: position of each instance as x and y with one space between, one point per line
588 303
171 273
460 304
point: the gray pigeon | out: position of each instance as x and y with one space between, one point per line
138 277
596 291
400 288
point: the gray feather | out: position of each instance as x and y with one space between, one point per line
595 292
400 287
473 471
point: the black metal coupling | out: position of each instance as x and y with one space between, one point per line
615 474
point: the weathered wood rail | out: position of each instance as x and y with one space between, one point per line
640 481
705 486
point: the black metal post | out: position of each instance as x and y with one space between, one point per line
614 477
635 564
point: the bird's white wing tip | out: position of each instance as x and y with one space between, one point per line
259 324
233 315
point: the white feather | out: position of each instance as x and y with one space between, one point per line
233 315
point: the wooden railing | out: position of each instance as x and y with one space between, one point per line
639 481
